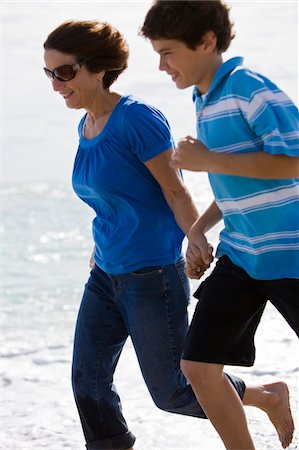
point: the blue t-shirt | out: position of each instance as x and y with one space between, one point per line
134 226
245 112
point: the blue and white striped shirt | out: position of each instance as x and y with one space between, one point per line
245 112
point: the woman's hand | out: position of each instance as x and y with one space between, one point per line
196 268
195 265
199 255
91 260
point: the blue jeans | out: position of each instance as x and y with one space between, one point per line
150 305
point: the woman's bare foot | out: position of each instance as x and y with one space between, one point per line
274 400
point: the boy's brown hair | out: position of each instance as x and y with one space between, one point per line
188 22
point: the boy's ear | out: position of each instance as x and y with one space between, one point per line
100 75
209 41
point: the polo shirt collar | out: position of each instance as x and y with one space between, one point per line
223 70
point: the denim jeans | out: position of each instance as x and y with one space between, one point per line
150 306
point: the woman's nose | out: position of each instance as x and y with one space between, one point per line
56 84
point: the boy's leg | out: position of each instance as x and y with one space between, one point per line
273 399
220 402
222 332
284 295
99 339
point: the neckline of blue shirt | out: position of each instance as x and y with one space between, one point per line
88 142
222 71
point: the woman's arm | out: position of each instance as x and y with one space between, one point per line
198 244
174 190
192 154
198 247
179 200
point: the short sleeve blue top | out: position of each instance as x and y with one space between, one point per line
134 226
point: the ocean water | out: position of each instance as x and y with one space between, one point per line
47 246
46 234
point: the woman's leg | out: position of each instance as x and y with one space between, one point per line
99 339
157 320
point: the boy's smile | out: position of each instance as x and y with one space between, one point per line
189 67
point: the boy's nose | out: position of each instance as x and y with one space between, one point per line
162 64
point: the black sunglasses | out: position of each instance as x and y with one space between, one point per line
63 73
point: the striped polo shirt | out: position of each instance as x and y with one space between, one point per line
245 112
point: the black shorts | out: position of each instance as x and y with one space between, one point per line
229 310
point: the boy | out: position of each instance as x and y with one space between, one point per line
248 131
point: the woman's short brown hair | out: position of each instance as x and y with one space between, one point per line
98 44
188 22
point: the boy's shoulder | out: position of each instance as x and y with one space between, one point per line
246 82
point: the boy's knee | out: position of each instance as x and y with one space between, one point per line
201 372
191 369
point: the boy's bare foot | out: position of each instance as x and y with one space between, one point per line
274 400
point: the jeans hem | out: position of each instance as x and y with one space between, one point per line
122 442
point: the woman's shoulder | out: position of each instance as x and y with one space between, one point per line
137 109
135 103
142 124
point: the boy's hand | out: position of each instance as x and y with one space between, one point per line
190 154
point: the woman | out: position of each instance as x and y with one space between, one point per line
143 210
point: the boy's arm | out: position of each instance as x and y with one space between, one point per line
192 154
